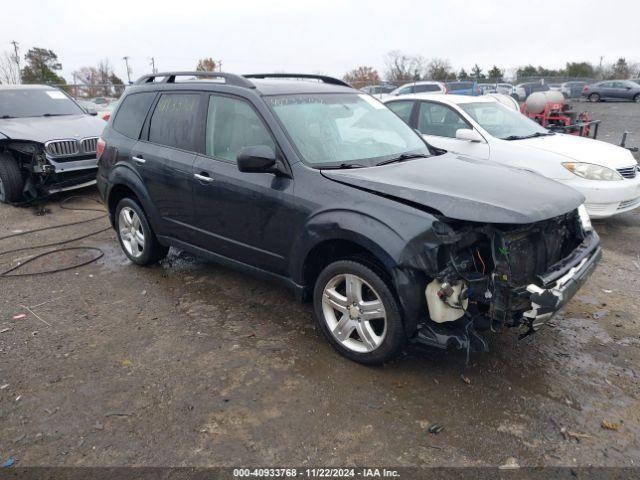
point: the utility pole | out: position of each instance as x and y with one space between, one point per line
17 59
219 65
126 62
153 65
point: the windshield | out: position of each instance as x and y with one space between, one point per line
338 128
36 103
502 122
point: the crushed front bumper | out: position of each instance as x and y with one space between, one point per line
562 281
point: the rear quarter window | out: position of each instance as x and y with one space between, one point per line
131 114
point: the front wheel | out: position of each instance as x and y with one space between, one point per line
11 181
137 239
358 313
637 98
594 98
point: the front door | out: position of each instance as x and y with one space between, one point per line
243 216
438 124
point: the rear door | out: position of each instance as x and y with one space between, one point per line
243 216
438 124
165 155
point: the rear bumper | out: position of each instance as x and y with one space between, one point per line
562 282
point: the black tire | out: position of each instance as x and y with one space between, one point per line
594 97
394 338
152 251
11 178
637 98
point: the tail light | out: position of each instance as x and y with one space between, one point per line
100 148
106 116
585 88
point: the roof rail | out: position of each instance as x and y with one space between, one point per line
170 77
322 78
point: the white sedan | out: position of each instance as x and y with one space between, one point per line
607 175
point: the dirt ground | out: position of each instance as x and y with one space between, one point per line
192 364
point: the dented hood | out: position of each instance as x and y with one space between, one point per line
43 129
464 188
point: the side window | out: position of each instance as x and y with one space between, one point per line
174 120
132 113
232 125
406 90
429 87
402 109
437 119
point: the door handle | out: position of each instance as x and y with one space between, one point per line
203 178
139 160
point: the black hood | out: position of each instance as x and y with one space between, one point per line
464 188
43 129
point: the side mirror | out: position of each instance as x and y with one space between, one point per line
469 135
91 111
259 159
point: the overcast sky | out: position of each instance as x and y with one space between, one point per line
328 36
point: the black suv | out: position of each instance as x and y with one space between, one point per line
317 185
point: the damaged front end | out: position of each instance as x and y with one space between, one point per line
53 166
492 276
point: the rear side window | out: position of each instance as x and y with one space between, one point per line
402 109
232 125
430 87
174 120
132 113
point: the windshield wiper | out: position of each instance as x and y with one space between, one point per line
342 165
533 135
402 157
55 114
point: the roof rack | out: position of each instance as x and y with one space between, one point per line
170 77
322 78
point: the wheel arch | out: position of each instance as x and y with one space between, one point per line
124 182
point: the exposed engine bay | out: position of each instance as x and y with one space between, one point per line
43 173
494 276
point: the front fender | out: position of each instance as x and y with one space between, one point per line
123 175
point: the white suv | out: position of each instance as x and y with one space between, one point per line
419 87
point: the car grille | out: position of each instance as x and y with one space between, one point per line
70 147
89 145
629 203
61 148
628 172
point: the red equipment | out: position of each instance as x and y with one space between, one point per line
559 117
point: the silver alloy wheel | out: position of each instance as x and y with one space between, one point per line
354 313
131 232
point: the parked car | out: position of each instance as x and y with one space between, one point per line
47 142
612 90
636 80
102 101
523 90
424 86
505 89
607 175
463 88
555 87
486 88
321 187
376 90
105 112
572 89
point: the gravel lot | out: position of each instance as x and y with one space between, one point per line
191 364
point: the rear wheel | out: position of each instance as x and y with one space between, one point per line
358 313
11 181
137 239
637 98
594 98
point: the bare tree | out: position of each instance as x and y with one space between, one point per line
440 69
9 73
362 76
402 68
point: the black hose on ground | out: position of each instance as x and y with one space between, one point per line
63 205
